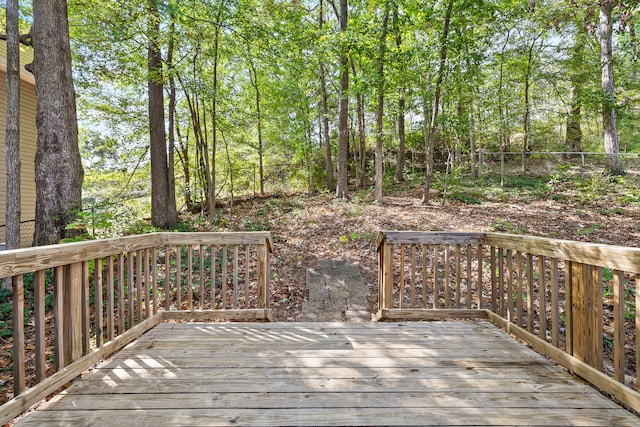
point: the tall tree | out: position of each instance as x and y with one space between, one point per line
163 202
399 172
382 46
342 189
324 104
431 138
611 144
58 168
12 137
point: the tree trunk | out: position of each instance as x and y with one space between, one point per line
253 76
172 114
380 112
611 146
400 160
342 190
163 209
12 137
436 103
325 110
58 169
577 78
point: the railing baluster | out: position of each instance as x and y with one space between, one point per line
167 277
147 285
401 295
509 285
568 306
542 292
618 325
131 289
138 281
86 314
39 319
555 316
597 341
413 276
235 276
190 277
201 299
494 296
480 284
213 277
17 284
519 308
436 286
58 316
530 314
423 248
178 277
447 299
501 289
154 278
110 285
457 255
99 309
469 282
246 276
224 277
121 295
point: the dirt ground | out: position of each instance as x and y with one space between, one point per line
307 228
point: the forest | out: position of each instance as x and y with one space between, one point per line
264 97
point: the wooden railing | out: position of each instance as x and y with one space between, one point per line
89 299
578 303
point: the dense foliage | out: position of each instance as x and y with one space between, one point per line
246 82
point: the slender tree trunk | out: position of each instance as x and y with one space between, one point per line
342 189
59 172
172 114
12 136
380 112
574 128
611 145
253 76
362 136
214 122
400 160
436 103
325 110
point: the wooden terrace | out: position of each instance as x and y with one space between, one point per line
131 342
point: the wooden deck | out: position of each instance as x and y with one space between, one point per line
433 373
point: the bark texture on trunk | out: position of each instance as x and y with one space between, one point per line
163 206
380 112
342 190
436 104
611 145
12 136
58 168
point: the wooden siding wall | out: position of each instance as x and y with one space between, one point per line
27 156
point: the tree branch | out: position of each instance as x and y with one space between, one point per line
24 39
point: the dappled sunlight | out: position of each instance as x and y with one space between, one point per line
444 373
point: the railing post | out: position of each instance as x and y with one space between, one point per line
582 312
72 309
386 263
263 276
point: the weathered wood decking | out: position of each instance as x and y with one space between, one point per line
434 373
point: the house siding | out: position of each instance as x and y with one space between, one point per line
27 158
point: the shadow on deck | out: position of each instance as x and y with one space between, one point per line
418 373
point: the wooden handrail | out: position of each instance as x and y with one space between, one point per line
548 289
99 290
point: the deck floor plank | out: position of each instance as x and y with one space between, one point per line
422 373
